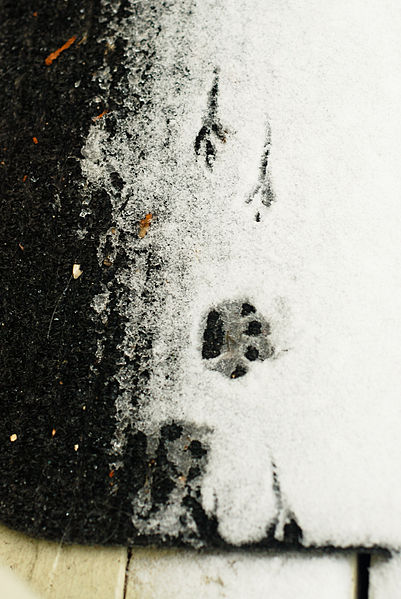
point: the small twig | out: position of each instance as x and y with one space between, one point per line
54 55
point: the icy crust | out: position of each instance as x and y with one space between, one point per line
262 153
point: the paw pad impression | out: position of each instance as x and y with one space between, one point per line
234 336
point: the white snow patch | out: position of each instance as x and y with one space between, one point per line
323 265
179 575
385 578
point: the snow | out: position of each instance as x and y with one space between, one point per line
322 266
179 575
385 578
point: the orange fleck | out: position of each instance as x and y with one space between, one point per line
99 116
35 14
35 140
60 382
24 178
144 225
21 247
111 473
53 432
53 55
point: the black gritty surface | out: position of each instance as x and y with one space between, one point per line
48 341
55 476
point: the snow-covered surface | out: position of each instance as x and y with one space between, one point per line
322 266
236 576
385 578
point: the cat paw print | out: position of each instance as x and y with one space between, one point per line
234 336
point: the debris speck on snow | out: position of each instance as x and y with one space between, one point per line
144 225
99 116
